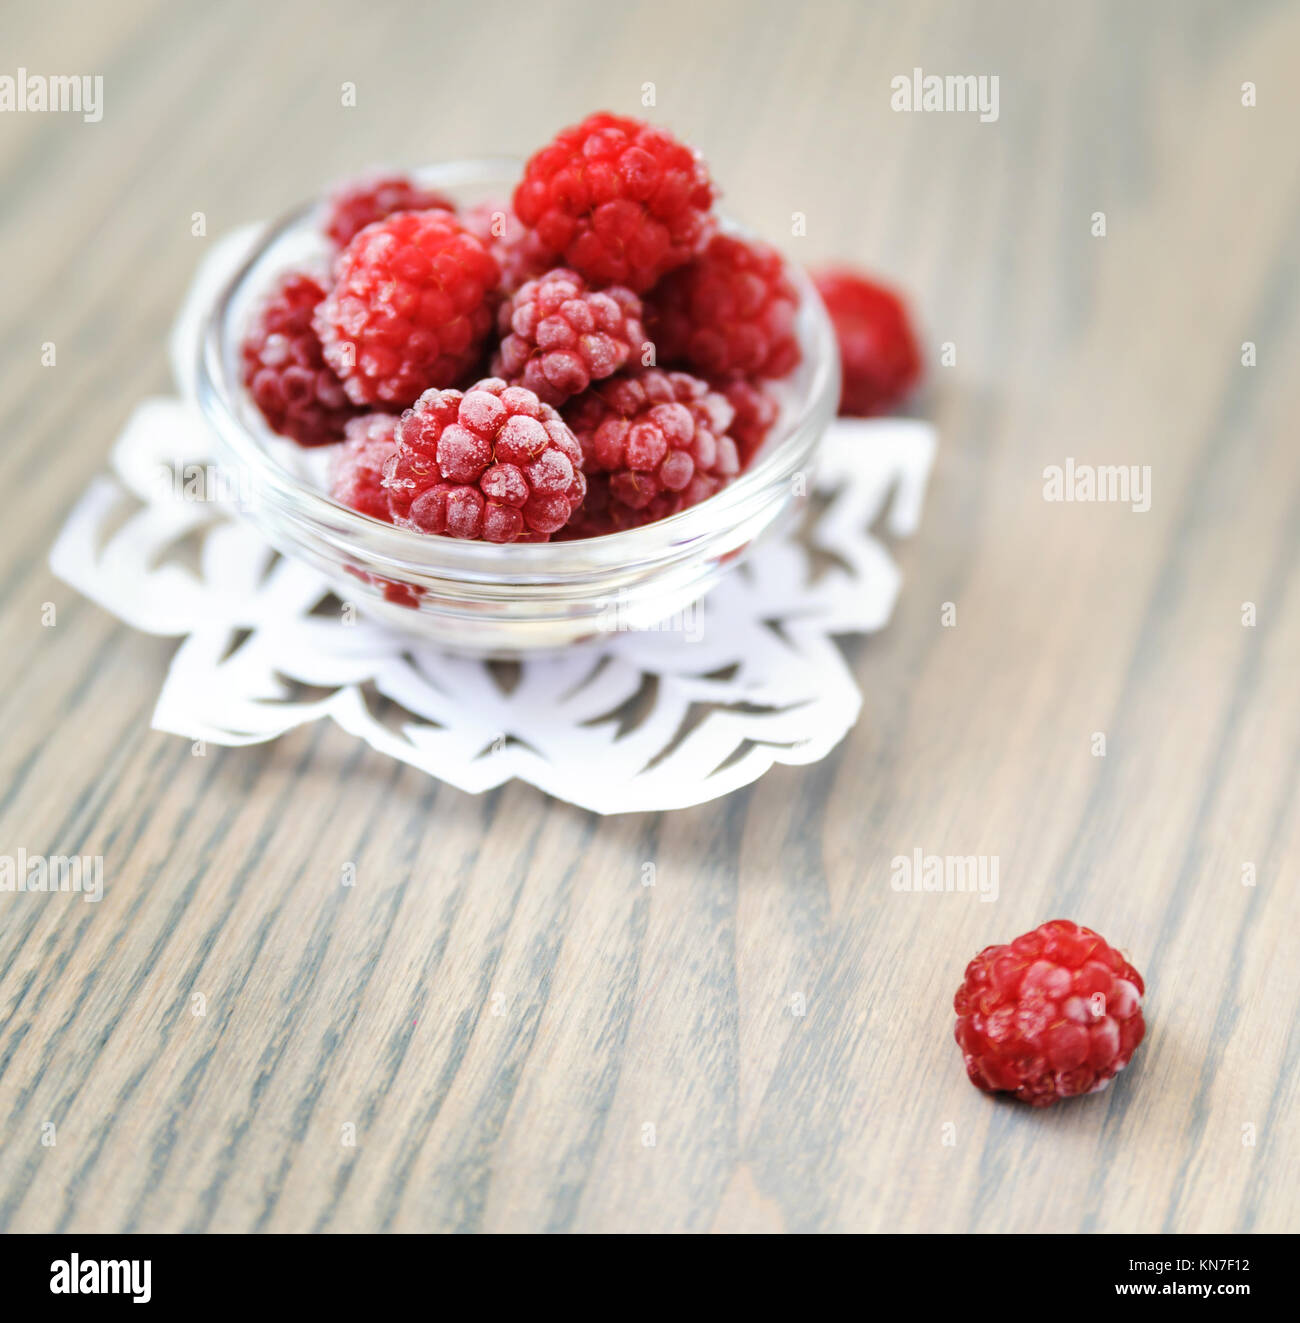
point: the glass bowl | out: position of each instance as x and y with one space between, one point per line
479 597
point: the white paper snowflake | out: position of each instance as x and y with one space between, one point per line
647 720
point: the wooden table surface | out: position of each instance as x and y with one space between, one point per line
498 1008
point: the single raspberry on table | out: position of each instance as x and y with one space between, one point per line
492 463
410 307
1053 1014
285 369
558 336
661 438
756 410
730 310
878 350
357 475
361 202
619 201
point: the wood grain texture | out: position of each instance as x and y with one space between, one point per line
498 1005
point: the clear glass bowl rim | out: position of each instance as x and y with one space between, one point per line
405 553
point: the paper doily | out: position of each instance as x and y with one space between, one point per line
646 720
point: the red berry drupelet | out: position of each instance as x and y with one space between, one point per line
557 336
361 202
285 370
619 201
492 463
878 350
410 308
662 441
1053 1014
357 475
729 311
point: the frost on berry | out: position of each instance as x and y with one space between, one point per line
361 202
1053 1014
558 336
879 357
619 201
730 311
285 369
410 307
357 473
492 463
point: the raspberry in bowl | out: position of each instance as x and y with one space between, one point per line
514 522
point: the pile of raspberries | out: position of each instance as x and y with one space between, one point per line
592 357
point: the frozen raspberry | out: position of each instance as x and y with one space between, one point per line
557 337
730 310
1056 1013
756 411
357 477
410 307
493 463
621 202
878 350
661 437
285 370
361 202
